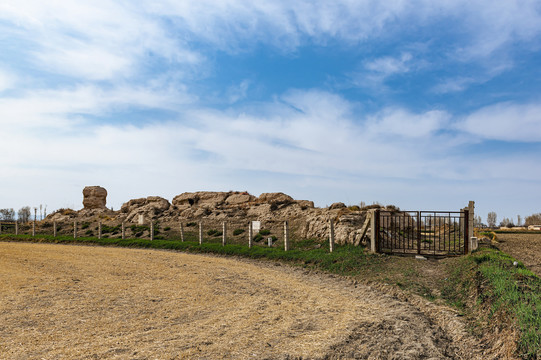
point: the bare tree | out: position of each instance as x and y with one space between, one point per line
519 220
23 215
534 219
491 219
7 214
506 222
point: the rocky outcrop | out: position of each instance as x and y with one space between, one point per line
235 207
150 207
94 197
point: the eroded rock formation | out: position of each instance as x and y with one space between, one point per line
235 207
94 197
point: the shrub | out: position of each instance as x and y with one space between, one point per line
167 228
264 231
258 237
238 232
190 224
85 225
89 232
212 232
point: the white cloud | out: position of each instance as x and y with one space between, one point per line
402 123
63 109
7 80
505 121
453 85
387 66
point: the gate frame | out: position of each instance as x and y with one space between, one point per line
465 214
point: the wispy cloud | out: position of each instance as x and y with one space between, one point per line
505 121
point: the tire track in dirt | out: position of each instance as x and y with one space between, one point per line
64 301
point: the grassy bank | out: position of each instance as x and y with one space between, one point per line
495 291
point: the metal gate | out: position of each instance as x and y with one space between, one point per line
422 232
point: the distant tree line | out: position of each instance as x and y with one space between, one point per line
492 218
8 214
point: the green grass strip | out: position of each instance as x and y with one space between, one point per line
502 286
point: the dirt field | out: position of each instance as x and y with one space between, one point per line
76 302
524 247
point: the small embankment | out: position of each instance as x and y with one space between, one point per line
502 300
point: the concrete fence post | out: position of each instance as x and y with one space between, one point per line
99 229
54 228
373 231
181 232
224 232
75 229
123 230
250 234
331 235
151 231
34 228
286 236
16 228
200 233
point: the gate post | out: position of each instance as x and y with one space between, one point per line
466 231
419 232
373 233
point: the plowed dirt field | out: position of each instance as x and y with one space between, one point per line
81 302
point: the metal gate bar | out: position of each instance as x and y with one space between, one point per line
422 232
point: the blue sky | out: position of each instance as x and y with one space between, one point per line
420 104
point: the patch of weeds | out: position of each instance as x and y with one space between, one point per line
85 225
89 232
264 232
167 228
190 224
139 228
237 232
105 229
488 283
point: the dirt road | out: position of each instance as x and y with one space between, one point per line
76 302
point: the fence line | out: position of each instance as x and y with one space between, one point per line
82 229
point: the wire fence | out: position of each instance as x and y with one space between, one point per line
252 233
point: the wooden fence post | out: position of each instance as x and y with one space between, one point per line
34 228
75 229
286 236
99 229
200 232
250 235
181 232
54 228
123 230
224 232
331 235
16 228
151 230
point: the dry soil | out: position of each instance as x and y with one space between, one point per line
82 302
524 247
